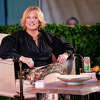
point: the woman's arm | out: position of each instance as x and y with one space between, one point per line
61 46
62 58
9 49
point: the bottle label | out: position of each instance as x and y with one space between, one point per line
86 64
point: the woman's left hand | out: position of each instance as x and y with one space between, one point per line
62 58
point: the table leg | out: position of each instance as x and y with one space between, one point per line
50 96
72 97
78 97
86 97
37 96
64 97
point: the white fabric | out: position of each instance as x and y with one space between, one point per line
58 11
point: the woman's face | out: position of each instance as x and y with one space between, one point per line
72 22
32 21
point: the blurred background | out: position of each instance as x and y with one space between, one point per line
55 11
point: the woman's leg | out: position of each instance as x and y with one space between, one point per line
52 68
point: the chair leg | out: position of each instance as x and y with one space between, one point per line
64 97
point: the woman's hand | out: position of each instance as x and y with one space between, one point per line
27 61
62 58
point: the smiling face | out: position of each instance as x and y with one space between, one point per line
32 21
31 13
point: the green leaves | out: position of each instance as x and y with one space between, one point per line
10 28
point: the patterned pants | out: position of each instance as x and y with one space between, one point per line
41 72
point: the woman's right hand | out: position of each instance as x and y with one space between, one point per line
27 61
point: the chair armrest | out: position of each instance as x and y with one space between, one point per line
70 64
6 61
7 77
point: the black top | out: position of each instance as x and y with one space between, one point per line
21 43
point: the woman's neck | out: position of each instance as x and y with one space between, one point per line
33 33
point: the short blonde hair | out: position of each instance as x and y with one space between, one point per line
40 16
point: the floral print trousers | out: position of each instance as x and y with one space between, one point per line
40 72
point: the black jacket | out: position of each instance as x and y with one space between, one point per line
21 43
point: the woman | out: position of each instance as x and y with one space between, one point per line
33 47
72 21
